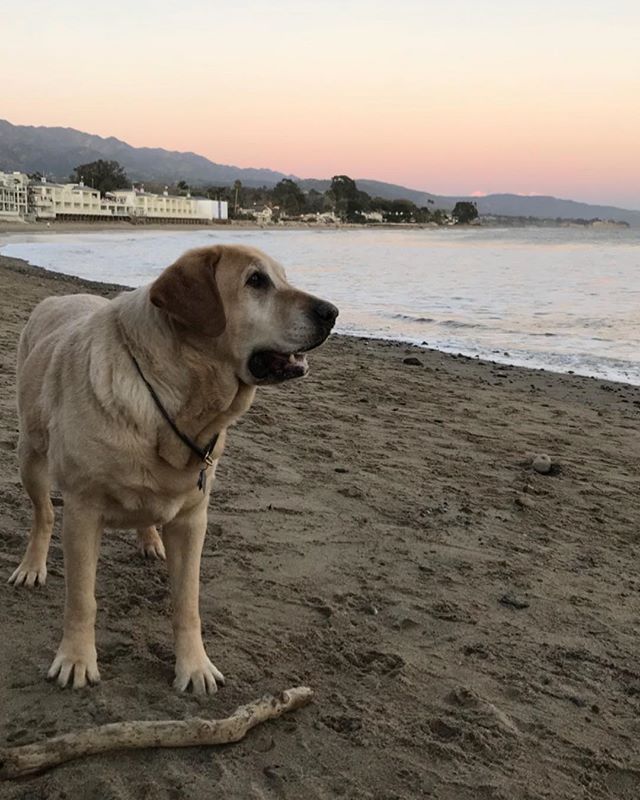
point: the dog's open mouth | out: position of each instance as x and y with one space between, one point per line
267 366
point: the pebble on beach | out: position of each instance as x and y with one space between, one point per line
542 464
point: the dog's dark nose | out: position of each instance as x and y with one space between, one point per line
325 312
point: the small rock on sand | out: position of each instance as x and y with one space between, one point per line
412 361
542 464
509 599
524 501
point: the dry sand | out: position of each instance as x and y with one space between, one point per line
107 226
27 228
365 525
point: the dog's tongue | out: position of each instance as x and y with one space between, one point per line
270 364
291 366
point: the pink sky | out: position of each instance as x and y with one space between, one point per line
450 98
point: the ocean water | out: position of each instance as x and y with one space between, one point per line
565 299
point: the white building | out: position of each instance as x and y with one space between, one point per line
264 216
164 207
13 195
66 201
212 209
21 197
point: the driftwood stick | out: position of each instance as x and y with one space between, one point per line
16 762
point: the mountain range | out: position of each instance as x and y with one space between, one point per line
56 152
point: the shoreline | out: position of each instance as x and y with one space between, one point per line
376 532
99 287
12 227
104 227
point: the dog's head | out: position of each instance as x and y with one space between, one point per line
241 298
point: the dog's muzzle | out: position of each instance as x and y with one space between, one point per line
271 366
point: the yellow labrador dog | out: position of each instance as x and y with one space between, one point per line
124 405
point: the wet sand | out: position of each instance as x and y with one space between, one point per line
470 627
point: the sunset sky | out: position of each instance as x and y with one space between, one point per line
464 96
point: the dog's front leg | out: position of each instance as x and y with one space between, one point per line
76 658
183 539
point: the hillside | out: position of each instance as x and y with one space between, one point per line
390 191
57 151
509 205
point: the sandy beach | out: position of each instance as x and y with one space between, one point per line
56 226
470 627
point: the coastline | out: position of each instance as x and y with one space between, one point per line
500 223
492 356
105 227
377 533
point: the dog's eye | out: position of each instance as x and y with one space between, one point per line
258 280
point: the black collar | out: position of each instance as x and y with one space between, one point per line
204 454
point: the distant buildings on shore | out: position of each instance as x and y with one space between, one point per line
24 199
14 201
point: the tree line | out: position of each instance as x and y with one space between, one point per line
287 200
342 198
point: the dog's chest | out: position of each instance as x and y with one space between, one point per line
155 501
138 509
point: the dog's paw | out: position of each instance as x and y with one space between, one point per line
150 544
199 673
31 572
74 666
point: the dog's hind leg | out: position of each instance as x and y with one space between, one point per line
35 479
149 543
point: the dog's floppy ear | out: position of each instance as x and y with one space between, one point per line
188 292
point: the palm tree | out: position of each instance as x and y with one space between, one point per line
237 186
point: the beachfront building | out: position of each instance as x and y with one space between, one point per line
212 209
264 216
22 198
69 201
145 206
373 216
75 201
13 195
